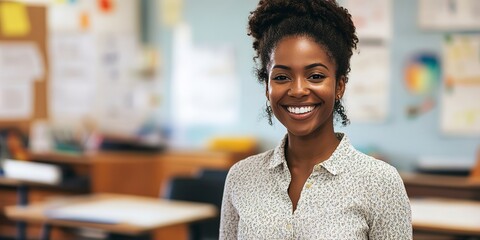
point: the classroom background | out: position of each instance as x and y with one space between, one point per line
84 81
397 86
181 72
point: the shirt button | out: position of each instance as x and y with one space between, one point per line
317 168
308 185
289 226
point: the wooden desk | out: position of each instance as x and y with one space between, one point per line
22 188
140 173
137 215
442 186
121 172
460 218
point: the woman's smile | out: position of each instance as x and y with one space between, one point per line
301 112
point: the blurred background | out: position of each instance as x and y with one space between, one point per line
91 76
180 72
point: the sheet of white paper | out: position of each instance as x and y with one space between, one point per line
449 14
460 99
146 214
372 18
16 100
205 85
73 82
367 95
120 108
20 62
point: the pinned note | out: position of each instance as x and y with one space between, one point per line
20 61
84 21
105 6
14 19
171 12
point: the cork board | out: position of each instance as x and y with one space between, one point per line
38 36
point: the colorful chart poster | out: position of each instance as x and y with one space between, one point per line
422 77
460 111
423 74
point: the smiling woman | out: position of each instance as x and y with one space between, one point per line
301 87
314 184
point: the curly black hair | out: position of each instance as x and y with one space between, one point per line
324 21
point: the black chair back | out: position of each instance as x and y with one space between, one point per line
207 188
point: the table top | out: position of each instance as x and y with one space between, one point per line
446 215
114 213
440 181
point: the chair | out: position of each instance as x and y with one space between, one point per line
205 189
214 174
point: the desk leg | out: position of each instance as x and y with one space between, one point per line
22 200
21 230
46 232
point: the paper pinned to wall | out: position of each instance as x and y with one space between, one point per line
171 12
124 106
14 20
205 85
16 100
460 109
367 93
20 61
372 18
449 14
72 75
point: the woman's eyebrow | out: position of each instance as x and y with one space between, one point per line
310 66
316 65
282 67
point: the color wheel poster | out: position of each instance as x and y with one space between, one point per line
460 111
422 80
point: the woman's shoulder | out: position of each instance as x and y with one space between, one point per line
368 165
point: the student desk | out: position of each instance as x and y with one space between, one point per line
127 215
22 188
447 217
441 186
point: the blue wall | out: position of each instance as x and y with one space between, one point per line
400 139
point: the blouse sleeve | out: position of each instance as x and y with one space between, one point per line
391 208
229 216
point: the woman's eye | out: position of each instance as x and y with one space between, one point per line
280 78
317 76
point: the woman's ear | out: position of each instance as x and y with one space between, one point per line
340 88
266 91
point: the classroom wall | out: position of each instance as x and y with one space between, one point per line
402 140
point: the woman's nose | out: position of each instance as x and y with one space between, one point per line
298 88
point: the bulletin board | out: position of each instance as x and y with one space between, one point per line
37 32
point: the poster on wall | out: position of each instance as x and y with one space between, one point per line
460 111
205 84
449 14
422 79
367 94
72 75
372 18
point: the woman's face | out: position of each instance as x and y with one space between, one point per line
301 86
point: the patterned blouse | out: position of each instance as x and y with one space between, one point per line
348 196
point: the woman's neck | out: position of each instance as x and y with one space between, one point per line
310 150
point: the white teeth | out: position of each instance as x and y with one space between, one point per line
300 110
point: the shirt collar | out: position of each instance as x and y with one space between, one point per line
334 164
